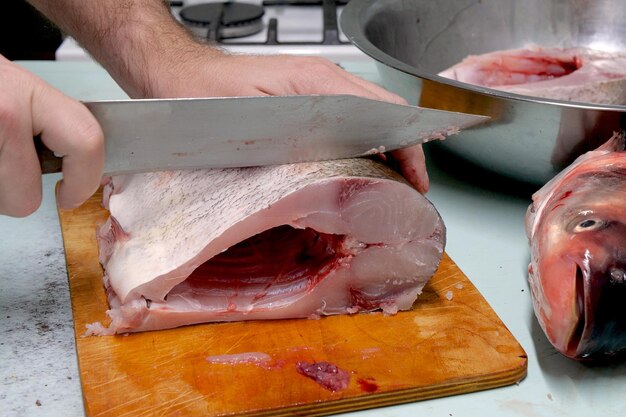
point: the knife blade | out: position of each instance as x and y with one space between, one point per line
169 134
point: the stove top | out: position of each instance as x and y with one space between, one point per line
219 21
298 27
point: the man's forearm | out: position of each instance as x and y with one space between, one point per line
151 55
128 37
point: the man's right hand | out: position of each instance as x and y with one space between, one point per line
30 107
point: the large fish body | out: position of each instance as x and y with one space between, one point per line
570 74
302 240
577 232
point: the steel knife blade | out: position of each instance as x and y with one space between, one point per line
170 134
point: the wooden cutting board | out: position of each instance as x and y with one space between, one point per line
451 342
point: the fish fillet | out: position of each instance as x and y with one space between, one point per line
570 74
302 240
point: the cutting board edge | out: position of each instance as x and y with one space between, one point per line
370 401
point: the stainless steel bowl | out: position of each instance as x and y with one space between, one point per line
529 139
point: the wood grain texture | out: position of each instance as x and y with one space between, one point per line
440 347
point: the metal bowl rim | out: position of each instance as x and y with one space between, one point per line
350 25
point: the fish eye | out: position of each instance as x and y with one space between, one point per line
588 225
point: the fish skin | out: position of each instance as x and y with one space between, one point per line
576 228
569 74
163 225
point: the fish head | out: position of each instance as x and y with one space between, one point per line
578 267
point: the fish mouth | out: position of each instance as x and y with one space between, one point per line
600 328
576 337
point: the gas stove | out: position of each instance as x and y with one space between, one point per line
297 27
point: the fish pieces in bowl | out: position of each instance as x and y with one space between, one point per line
530 137
570 74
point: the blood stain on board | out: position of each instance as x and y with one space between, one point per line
368 384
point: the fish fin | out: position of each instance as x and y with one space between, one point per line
617 143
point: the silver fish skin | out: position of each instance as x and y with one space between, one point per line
577 233
301 240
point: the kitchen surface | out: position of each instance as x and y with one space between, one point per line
484 219
483 213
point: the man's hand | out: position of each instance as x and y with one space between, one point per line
29 107
151 55
225 75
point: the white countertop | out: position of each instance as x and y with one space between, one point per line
39 375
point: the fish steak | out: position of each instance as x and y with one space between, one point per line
288 241
569 74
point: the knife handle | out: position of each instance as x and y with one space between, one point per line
49 162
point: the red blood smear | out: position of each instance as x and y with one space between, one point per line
359 299
566 67
566 194
368 385
326 374
281 256
554 67
561 198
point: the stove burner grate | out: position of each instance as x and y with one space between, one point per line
232 19
330 28
223 20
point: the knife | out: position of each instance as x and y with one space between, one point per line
170 134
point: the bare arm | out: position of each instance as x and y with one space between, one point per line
151 55
137 41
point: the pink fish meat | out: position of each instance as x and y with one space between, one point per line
328 375
577 231
302 240
571 74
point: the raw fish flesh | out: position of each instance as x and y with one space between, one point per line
577 231
570 74
302 240
326 374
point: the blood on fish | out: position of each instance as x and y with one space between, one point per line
557 206
352 187
362 301
267 262
565 195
